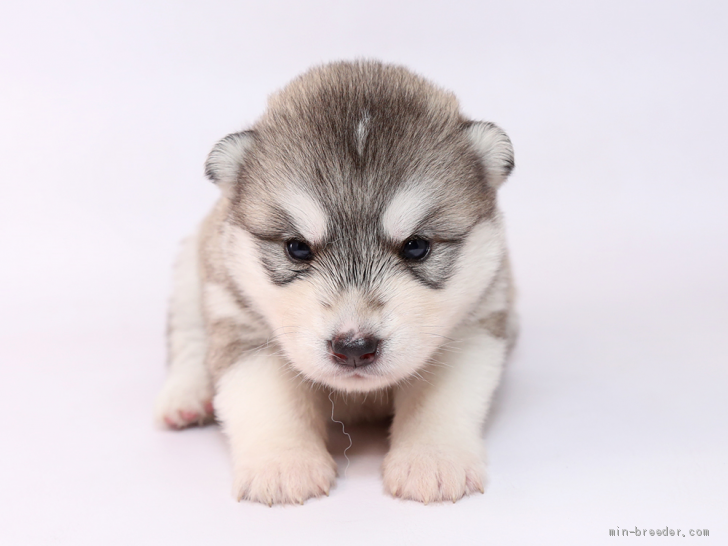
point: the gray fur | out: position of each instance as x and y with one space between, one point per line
354 160
351 135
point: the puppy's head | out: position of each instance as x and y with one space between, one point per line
362 223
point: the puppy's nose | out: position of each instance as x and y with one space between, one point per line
354 351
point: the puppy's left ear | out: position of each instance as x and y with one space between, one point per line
226 159
494 148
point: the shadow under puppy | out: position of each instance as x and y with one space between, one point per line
356 248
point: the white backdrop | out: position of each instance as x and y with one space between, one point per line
613 410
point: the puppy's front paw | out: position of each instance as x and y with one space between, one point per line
433 474
185 399
285 477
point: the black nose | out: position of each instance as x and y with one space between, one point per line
354 351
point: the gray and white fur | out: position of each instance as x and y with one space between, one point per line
352 161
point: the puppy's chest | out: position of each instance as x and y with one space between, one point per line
369 407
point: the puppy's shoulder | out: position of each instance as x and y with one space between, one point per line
210 242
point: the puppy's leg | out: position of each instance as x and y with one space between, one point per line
436 445
186 397
277 430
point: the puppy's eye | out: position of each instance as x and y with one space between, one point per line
298 250
415 249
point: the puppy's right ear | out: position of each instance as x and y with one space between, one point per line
226 158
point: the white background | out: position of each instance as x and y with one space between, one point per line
613 409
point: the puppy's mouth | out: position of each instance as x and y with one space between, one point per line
357 374
355 379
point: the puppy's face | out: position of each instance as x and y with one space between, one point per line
363 233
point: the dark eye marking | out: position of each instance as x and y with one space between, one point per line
299 251
416 249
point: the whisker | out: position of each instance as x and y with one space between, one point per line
343 429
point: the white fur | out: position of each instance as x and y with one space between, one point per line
245 264
436 451
362 131
303 335
308 215
267 344
406 211
495 150
275 420
226 158
276 427
220 304
187 393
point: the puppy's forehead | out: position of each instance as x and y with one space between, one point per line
365 145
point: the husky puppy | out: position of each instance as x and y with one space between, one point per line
356 255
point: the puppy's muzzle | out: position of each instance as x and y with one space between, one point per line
354 351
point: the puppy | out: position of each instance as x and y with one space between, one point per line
356 252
